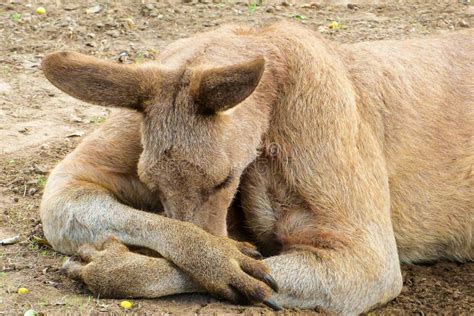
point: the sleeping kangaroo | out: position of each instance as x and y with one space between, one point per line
347 160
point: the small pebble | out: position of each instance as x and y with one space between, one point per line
30 312
10 241
463 23
352 6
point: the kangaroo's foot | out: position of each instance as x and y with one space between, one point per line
113 271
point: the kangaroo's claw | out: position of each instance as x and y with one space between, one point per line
270 281
270 303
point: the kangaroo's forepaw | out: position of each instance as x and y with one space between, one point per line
229 269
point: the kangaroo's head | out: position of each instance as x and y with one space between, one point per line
201 127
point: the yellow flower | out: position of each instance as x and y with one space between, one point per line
40 10
334 25
126 304
23 290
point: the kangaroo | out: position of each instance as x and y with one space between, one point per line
348 160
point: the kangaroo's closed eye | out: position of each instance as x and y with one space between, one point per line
225 183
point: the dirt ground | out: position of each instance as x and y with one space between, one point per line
39 125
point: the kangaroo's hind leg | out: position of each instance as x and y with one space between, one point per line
114 271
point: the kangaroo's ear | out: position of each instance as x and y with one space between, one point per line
218 89
95 81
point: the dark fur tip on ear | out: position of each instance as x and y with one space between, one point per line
93 80
222 88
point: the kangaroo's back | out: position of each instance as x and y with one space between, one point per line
420 96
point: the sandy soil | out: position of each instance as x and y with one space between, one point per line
39 125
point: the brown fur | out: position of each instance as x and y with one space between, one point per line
350 158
